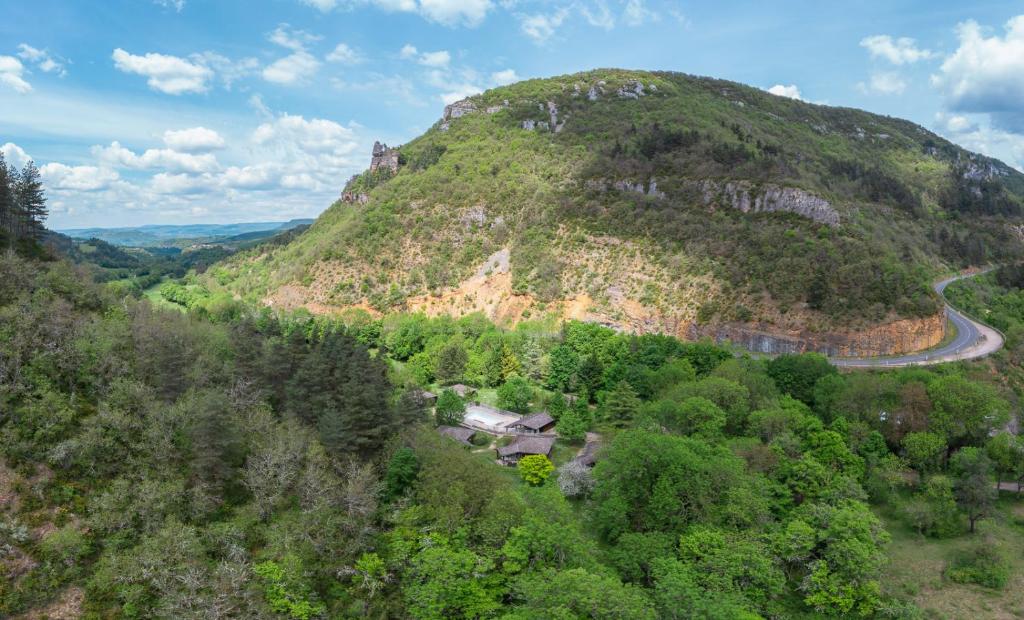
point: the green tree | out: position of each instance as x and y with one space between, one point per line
1007 453
562 365
510 366
974 490
925 451
796 374
443 582
535 468
286 589
515 394
556 405
578 593
621 404
403 468
449 409
572 427
965 411
590 374
451 362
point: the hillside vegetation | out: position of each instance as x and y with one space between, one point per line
651 201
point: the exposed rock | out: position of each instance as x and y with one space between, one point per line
529 124
383 157
474 216
497 108
355 198
894 338
636 187
633 89
457 110
768 198
592 94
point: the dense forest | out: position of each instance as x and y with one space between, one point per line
204 459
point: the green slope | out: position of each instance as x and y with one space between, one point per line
632 209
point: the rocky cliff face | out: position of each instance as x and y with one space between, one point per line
768 198
894 338
383 157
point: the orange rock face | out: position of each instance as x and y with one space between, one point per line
893 338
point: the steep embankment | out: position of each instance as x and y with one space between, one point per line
655 201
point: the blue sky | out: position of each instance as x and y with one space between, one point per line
174 111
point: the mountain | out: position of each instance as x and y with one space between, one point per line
187 234
656 201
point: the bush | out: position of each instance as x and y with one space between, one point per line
982 564
535 468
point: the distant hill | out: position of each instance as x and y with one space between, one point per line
182 235
656 201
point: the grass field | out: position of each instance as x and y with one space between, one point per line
917 563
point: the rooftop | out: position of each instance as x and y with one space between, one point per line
462 435
535 421
528 445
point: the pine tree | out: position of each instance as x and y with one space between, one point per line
509 362
621 404
7 204
31 202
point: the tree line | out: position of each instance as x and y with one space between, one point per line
22 202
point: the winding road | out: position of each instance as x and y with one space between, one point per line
973 340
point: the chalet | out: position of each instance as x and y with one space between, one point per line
533 424
459 434
464 391
525 446
429 398
588 455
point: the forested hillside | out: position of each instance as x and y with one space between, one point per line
242 463
651 201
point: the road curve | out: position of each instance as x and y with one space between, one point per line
973 340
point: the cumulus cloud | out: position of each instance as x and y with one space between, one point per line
446 12
14 155
899 51
193 140
78 178
501 78
168 159
229 71
178 184
790 91
542 26
408 52
168 74
440 58
297 67
986 74
344 54
599 16
315 135
636 13
883 83
42 59
11 70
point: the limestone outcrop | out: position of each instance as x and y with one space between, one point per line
383 157
768 198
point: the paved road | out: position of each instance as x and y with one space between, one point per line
973 340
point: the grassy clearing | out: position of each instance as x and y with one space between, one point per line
917 564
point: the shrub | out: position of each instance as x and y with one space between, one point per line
982 564
535 468
286 590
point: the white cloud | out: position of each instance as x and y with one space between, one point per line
296 40
884 83
256 103
178 184
955 123
542 26
600 16
177 5
790 91
15 155
637 14
460 92
295 68
117 155
167 74
899 51
315 136
440 58
501 78
408 52
10 74
229 71
971 132
42 59
260 176
344 54
77 178
193 140
323 5
986 74
454 12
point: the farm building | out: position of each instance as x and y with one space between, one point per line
525 446
533 424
